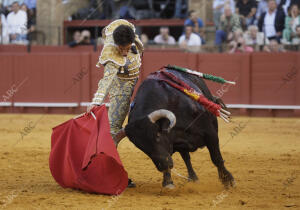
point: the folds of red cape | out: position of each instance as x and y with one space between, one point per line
83 155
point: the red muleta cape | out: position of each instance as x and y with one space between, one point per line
84 156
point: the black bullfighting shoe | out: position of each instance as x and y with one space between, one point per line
131 184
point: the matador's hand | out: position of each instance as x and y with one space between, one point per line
90 107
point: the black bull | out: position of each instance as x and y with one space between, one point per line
154 129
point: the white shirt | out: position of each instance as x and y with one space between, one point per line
217 3
194 40
259 40
269 24
17 22
4 38
159 40
295 23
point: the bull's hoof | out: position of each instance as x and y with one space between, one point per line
226 179
232 183
228 184
169 186
193 178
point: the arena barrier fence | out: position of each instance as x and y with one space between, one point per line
62 80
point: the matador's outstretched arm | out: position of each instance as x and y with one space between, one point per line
104 85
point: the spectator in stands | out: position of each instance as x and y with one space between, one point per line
23 7
7 4
218 9
285 5
239 46
229 23
86 38
4 38
76 39
144 39
83 39
296 38
291 21
274 46
261 8
181 5
17 25
296 22
196 23
253 37
247 10
31 19
272 22
237 34
189 40
164 37
31 4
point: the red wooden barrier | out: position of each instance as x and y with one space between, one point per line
64 75
7 83
273 81
231 67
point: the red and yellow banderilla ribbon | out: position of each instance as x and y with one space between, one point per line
212 107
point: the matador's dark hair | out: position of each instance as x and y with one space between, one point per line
123 35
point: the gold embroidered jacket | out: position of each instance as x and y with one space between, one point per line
115 64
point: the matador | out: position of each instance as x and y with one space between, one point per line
121 57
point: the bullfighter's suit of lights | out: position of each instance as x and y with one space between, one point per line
120 75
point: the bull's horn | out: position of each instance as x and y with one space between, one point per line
163 113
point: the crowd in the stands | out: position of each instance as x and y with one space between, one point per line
248 25
17 20
240 25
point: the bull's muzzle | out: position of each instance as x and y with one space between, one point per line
162 163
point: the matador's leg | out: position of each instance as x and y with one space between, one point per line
120 94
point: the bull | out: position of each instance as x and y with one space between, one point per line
164 120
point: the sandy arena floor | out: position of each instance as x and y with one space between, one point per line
263 155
